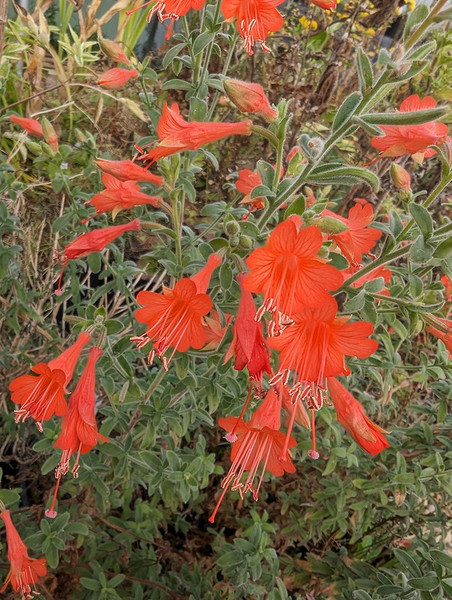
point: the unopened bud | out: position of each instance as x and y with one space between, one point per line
48 150
330 225
80 136
311 146
234 241
113 50
246 242
50 135
249 98
295 150
34 147
231 228
400 177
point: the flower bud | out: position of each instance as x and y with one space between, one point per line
249 98
246 242
231 228
50 135
330 225
295 150
113 50
34 147
400 177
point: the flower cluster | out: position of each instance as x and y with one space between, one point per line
42 395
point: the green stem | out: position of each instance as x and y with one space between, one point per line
427 202
268 135
382 260
419 32
200 81
190 49
227 63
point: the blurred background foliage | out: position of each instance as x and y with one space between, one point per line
134 524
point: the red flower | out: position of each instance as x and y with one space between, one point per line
32 126
445 337
93 241
249 98
247 181
41 396
24 571
174 319
118 196
351 415
257 441
411 139
169 9
316 344
288 272
115 78
325 4
359 239
248 345
301 416
447 284
214 330
255 19
126 170
176 134
314 347
79 429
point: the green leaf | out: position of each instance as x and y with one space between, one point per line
365 72
9 497
408 562
90 584
297 207
444 250
423 219
361 595
415 17
177 84
356 303
442 558
389 590
346 174
202 41
262 191
406 118
421 251
428 582
346 110
171 54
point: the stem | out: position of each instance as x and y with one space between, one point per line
209 49
279 159
419 32
427 202
227 63
382 260
268 135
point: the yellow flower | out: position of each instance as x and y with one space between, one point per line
306 24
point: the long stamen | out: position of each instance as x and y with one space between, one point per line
231 437
283 456
51 512
313 452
